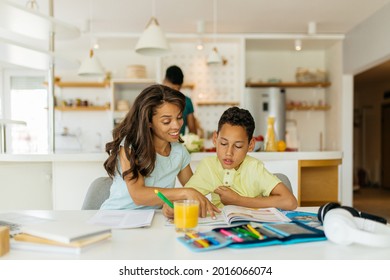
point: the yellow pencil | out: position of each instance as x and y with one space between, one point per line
254 231
202 242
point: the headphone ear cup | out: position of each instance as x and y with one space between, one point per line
339 226
325 209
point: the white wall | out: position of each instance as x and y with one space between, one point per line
368 44
334 132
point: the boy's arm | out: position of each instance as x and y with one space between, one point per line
280 197
199 180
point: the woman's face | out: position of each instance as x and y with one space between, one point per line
167 121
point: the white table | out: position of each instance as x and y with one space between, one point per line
158 242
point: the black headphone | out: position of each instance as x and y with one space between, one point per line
354 212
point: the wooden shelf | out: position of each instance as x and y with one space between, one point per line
82 84
81 108
308 108
288 85
217 103
188 86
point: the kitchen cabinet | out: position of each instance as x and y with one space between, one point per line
68 92
288 85
318 181
126 90
81 108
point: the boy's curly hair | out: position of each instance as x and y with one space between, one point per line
239 117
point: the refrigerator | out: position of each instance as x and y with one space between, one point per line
263 102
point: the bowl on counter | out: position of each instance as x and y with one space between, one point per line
259 146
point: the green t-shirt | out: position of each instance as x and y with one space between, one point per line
188 109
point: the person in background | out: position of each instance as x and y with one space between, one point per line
174 78
146 154
234 178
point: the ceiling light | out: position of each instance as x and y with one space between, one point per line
214 57
312 28
298 45
199 45
33 5
200 31
96 45
91 66
152 41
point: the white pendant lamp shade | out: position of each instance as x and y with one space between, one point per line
153 41
91 66
214 57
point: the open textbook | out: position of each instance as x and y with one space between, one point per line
232 214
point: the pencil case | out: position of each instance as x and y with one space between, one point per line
251 235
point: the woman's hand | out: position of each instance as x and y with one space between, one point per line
167 211
205 206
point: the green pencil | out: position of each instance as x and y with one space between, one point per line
163 198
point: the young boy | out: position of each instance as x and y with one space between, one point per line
232 176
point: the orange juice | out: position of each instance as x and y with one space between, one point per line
186 214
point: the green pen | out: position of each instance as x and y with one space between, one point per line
163 198
247 232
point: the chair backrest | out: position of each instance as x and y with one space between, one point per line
97 193
284 180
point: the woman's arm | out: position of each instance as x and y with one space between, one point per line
280 197
185 175
143 195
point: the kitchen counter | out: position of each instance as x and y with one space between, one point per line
60 181
63 157
283 155
53 157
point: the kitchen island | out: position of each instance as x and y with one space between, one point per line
60 181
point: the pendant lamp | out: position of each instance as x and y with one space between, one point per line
152 41
91 66
214 56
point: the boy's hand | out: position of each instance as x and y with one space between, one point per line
167 211
227 195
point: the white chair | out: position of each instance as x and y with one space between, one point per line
97 193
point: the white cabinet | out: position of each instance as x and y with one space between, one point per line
124 92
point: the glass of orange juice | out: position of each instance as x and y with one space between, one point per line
186 215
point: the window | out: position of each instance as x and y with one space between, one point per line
28 99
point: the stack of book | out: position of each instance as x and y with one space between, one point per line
60 236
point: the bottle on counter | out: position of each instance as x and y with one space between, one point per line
270 141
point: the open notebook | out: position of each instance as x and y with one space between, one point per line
123 218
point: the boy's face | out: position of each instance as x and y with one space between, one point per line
232 145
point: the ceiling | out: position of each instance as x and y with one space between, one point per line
118 20
126 17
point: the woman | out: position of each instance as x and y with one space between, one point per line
146 154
